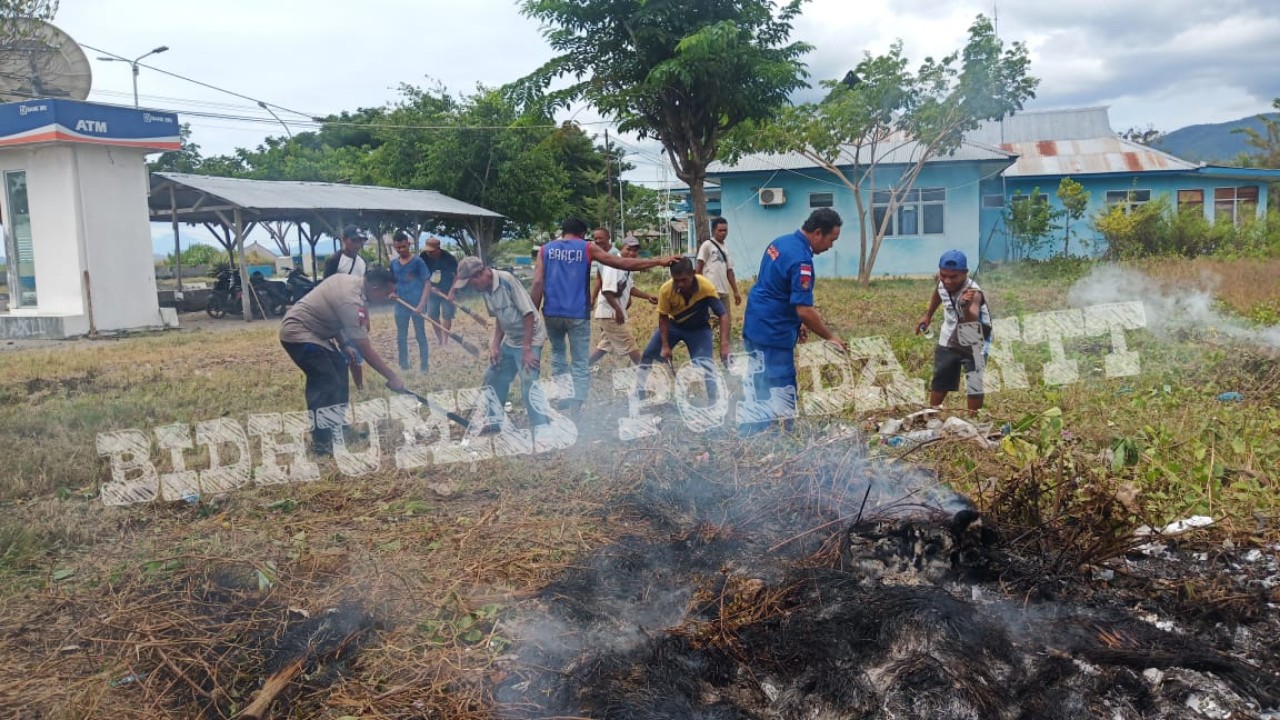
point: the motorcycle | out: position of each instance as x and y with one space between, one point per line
226 295
298 284
271 293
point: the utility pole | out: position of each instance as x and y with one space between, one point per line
608 178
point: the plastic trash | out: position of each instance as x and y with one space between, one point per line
127 680
1231 396
1180 526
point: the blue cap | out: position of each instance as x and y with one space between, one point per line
953 260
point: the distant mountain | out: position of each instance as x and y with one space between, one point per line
1213 142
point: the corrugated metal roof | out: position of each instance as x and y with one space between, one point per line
1071 124
895 151
287 197
1094 156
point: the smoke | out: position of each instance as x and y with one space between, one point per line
1172 308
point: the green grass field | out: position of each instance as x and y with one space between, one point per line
92 594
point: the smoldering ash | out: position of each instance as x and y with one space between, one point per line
869 376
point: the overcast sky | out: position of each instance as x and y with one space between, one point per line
1169 64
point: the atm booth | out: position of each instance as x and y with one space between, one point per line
73 206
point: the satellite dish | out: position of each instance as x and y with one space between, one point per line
37 60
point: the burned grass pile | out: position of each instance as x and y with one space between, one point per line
834 587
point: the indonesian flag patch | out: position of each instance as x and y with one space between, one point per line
772 252
362 317
806 276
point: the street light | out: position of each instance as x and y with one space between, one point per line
134 64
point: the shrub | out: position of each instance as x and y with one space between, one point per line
1134 232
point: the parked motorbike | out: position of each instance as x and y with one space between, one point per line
271 293
225 297
299 284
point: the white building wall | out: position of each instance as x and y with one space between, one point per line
54 227
113 191
66 184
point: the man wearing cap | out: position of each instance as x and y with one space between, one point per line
780 313
611 317
562 289
312 333
347 262
966 326
443 267
518 334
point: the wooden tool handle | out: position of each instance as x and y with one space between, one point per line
456 337
466 310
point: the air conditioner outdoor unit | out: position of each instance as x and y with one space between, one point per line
772 196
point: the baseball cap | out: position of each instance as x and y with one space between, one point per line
353 232
468 267
630 241
953 260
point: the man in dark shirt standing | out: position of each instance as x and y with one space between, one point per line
442 267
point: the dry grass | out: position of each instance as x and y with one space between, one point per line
90 595
1241 285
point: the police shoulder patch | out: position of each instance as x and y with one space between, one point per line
362 317
772 252
806 276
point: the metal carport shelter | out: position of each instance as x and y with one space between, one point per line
237 205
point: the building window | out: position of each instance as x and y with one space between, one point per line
821 200
1191 200
1131 199
919 212
1234 204
993 201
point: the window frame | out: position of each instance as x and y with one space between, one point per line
1132 199
913 201
1235 203
830 199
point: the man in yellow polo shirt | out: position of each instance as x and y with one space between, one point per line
685 305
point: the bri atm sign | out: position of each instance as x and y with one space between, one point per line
54 120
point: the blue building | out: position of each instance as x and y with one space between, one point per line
957 200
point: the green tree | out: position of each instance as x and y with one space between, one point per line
480 149
200 254
186 159
15 17
882 110
1143 136
683 71
1075 201
1267 143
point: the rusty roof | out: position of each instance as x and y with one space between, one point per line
1094 156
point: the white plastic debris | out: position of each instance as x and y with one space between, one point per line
1180 526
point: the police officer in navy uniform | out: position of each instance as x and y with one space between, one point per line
562 291
780 312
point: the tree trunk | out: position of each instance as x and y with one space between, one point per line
701 221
